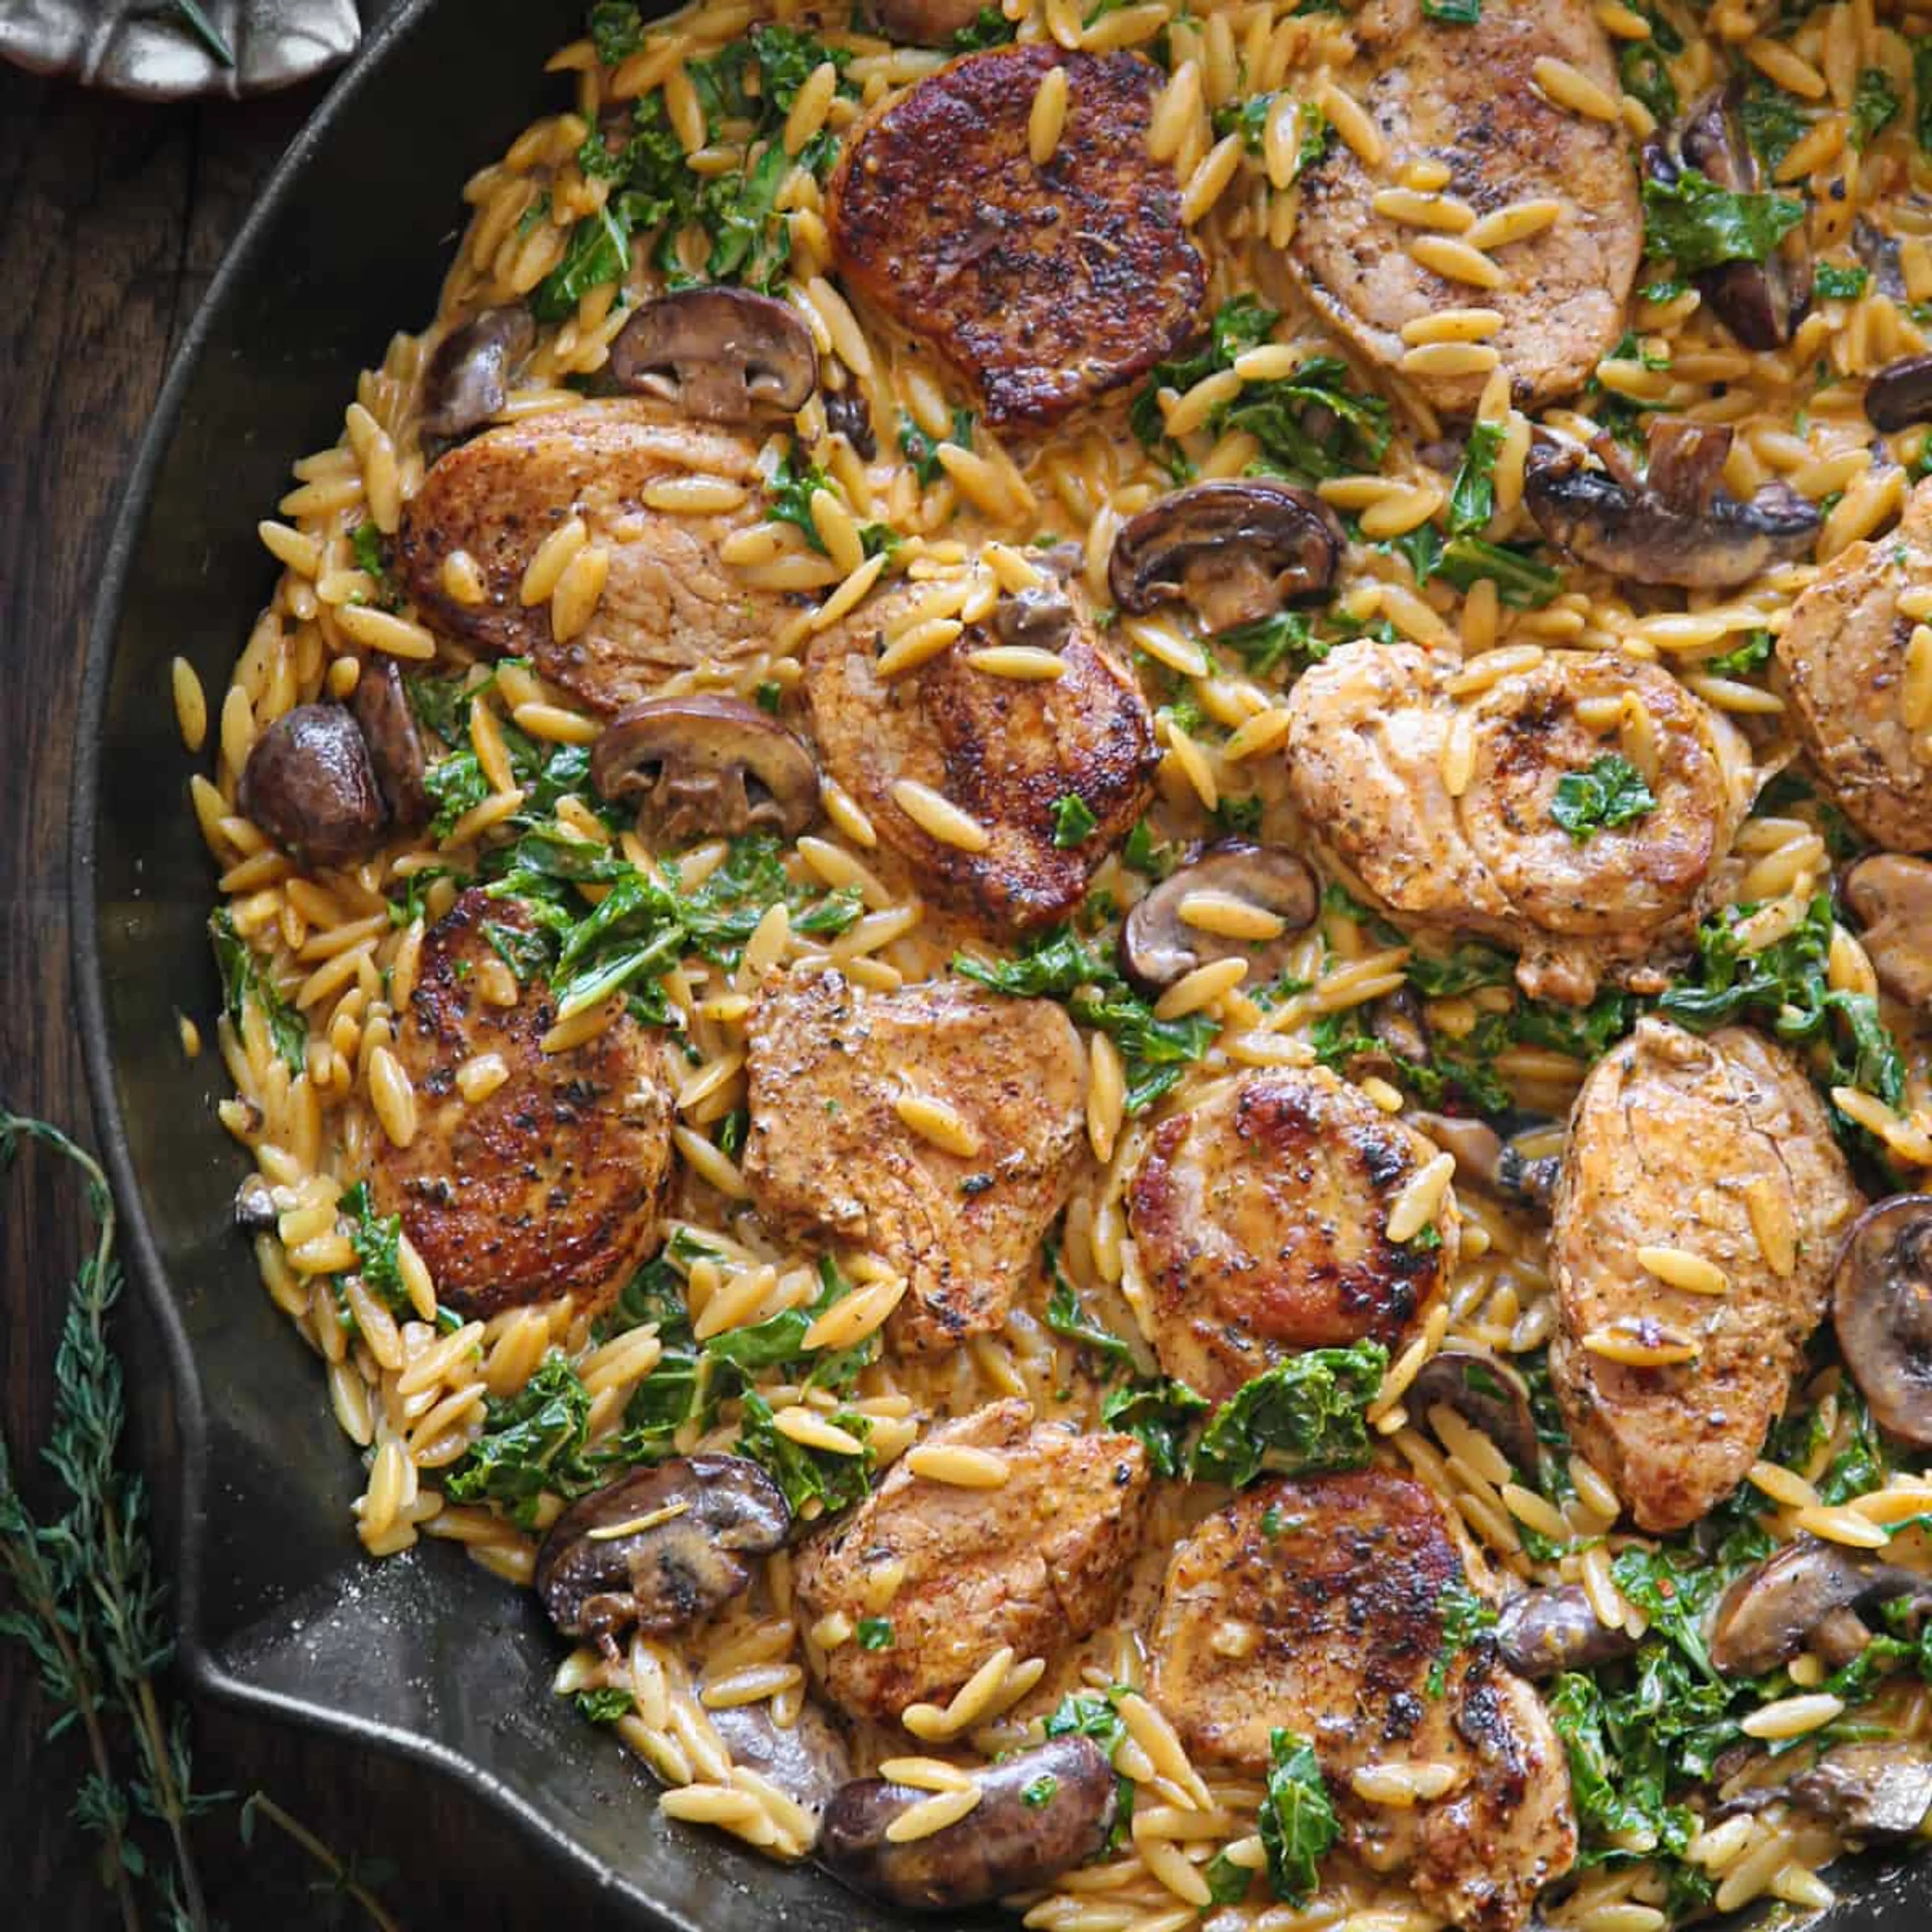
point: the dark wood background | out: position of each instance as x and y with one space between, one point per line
113 216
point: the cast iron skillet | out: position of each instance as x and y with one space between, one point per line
423 1653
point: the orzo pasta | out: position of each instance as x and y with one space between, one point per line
1073 924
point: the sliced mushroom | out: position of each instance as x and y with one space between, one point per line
389 727
309 784
1541 1632
1484 1158
661 1548
706 764
1476 1146
1041 1812
254 1209
1870 1791
1882 1308
1159 942
806 1759
1761 303
924 23
468 379
1892 896
1880 253
1900 394
1041 617
847 413
1488 1394
1696 535
1770 1613
725 355
1235 552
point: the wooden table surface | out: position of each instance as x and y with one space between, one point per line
113 216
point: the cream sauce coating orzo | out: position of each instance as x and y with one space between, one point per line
1032 926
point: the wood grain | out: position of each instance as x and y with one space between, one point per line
112 218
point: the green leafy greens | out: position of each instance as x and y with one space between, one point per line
245 981
1058 963
1699 225
1611 792
1307 1415
1298 1826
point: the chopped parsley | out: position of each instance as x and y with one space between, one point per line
1875 106
1040 1792
1839 281
1752 654
1073 821
605 1706
1611 792
874 1633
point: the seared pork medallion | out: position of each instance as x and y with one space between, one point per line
554 1181
1008 752
936 1126
1026 1548
1320 1607
1858 663
1473 107
1076 880
1699 1210
1265 1216
1047 283
1453 810
586 478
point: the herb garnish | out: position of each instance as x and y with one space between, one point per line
1611 792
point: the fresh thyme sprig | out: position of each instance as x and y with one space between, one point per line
91 1611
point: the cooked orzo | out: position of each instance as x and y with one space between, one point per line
1073 934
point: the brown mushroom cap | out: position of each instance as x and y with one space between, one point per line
1768 1614
1158 945
1882 1308
706 764
1235 551
1892 896
1674 527
1761 303
389 726
467 381
310 785
1876 1790
1041 1811
1541 1632
1484 1158
1487 1393
924 23
661 1548
724 355
807 1759
1900 394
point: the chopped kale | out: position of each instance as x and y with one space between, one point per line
1306 1414
1694 222
1298 1826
